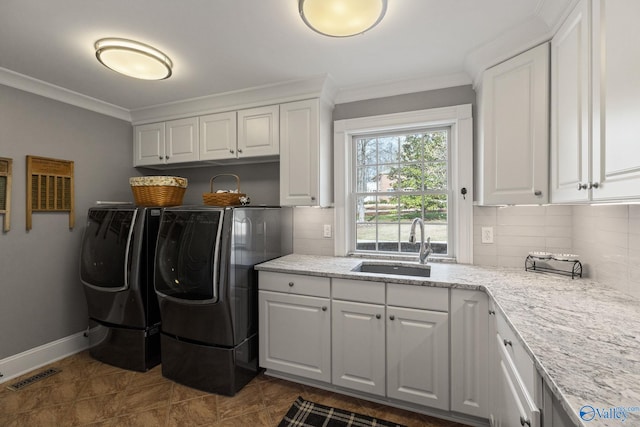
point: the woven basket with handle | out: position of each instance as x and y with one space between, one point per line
224 199
158 190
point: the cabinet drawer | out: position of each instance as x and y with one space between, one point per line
519 407
421 297
521 359
358 290
297 284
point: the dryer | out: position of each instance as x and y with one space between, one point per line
116 270
207 288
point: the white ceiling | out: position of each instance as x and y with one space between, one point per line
219 46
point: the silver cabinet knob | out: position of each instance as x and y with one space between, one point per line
324 308
593 185
313 198
537 193
392 317
232 151
378 316
291 284
582 186
524 421
160 157
166 157
508 342
239 150
492 312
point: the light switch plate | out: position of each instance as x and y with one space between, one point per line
326 230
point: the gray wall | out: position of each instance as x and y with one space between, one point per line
409 102
41 297
260 181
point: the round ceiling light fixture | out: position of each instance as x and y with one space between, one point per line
133 59
342 18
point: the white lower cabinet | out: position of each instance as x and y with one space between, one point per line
515 406
470 352
418 356
515 394
295 334
358 340
295 324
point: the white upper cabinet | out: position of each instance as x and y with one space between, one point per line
616 100
175 141
218 136
306 177
148 144
595 154
258 132
570 134
181 140
514 130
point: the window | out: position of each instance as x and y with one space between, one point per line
400 177
392 168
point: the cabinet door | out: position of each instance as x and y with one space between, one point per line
515 406
358 340
570 104
418 356
258 132
469 352
299 151
182 140
616 100
515 144
148 144
218 136
295 335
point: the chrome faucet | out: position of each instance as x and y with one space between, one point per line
425 247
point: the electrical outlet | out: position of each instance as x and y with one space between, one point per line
326 231
487 234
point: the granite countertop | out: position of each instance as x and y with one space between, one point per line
584 338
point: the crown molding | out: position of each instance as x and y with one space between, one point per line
392 88
509 44
48 90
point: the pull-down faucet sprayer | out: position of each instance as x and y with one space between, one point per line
425 247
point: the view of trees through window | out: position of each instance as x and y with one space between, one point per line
400 177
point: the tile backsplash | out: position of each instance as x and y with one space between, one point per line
607 238
308 224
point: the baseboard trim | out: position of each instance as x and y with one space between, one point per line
21 363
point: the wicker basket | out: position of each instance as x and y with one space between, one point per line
158 190
224 199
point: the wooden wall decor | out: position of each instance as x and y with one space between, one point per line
5 191
49 187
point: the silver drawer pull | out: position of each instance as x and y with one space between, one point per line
378 316
324 308
291 284
524 421
508 342
537 193
492 312
392 317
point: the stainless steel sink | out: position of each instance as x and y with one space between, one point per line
394 268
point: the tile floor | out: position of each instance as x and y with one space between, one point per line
88 392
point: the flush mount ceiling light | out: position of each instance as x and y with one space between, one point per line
133 59
341 18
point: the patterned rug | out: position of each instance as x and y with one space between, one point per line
309 414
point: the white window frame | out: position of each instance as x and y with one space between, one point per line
460 119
